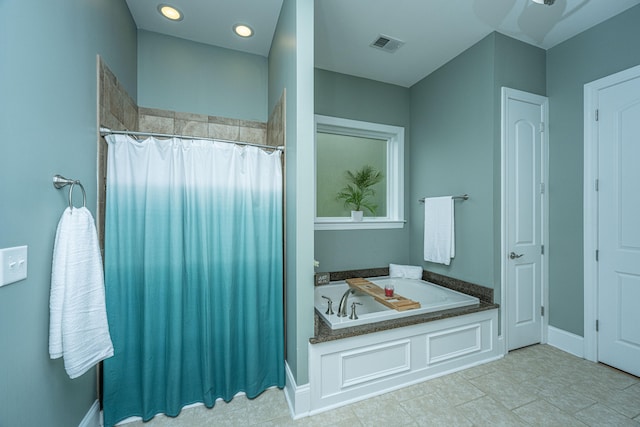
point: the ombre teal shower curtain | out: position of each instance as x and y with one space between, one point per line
193 274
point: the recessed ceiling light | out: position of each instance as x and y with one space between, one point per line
547 2
243 30
170 12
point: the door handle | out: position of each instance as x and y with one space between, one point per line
514 255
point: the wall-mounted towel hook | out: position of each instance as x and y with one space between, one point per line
60 181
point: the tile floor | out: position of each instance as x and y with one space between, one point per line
538 385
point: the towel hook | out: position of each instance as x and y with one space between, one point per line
59 181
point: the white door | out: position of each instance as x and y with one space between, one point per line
619 225
524 120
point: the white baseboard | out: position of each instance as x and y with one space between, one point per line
92 417
566 341
502 347
298 397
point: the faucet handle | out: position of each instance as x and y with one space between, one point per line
353 315
329 303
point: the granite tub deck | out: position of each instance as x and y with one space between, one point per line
323 333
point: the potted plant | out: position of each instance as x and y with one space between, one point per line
358 192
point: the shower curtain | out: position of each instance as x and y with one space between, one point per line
193 274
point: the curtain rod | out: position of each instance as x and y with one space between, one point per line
106 131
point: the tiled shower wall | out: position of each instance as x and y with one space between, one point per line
276 125
118 111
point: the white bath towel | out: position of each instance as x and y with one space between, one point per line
405 271
78 328
439 230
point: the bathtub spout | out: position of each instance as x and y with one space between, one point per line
342 308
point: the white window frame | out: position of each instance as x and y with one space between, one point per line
394 135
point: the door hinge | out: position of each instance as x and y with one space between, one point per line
542 250
597 255
597 185
541 127
597 115
597 325
542 188
542 310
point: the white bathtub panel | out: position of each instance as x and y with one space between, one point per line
453 343
371 363
351 369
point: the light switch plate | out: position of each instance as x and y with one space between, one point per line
13 265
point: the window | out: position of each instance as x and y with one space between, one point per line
347 145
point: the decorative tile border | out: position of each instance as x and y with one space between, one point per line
201 125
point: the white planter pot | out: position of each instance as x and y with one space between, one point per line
356 216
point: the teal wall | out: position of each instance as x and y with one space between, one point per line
452 153
605 49
181 75
48 120
291 71
455 126
355 98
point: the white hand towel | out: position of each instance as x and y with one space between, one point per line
439 230
78 328
405 271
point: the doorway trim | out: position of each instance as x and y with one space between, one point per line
590 207
507 93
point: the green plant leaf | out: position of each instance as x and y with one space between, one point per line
357 192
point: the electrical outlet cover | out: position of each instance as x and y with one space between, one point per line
322 278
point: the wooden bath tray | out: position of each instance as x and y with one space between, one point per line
396 302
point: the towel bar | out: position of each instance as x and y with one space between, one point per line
463 197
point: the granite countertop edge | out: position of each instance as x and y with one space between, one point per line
324 333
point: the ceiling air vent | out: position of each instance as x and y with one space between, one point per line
386 43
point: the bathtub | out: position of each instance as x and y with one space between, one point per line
431 297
